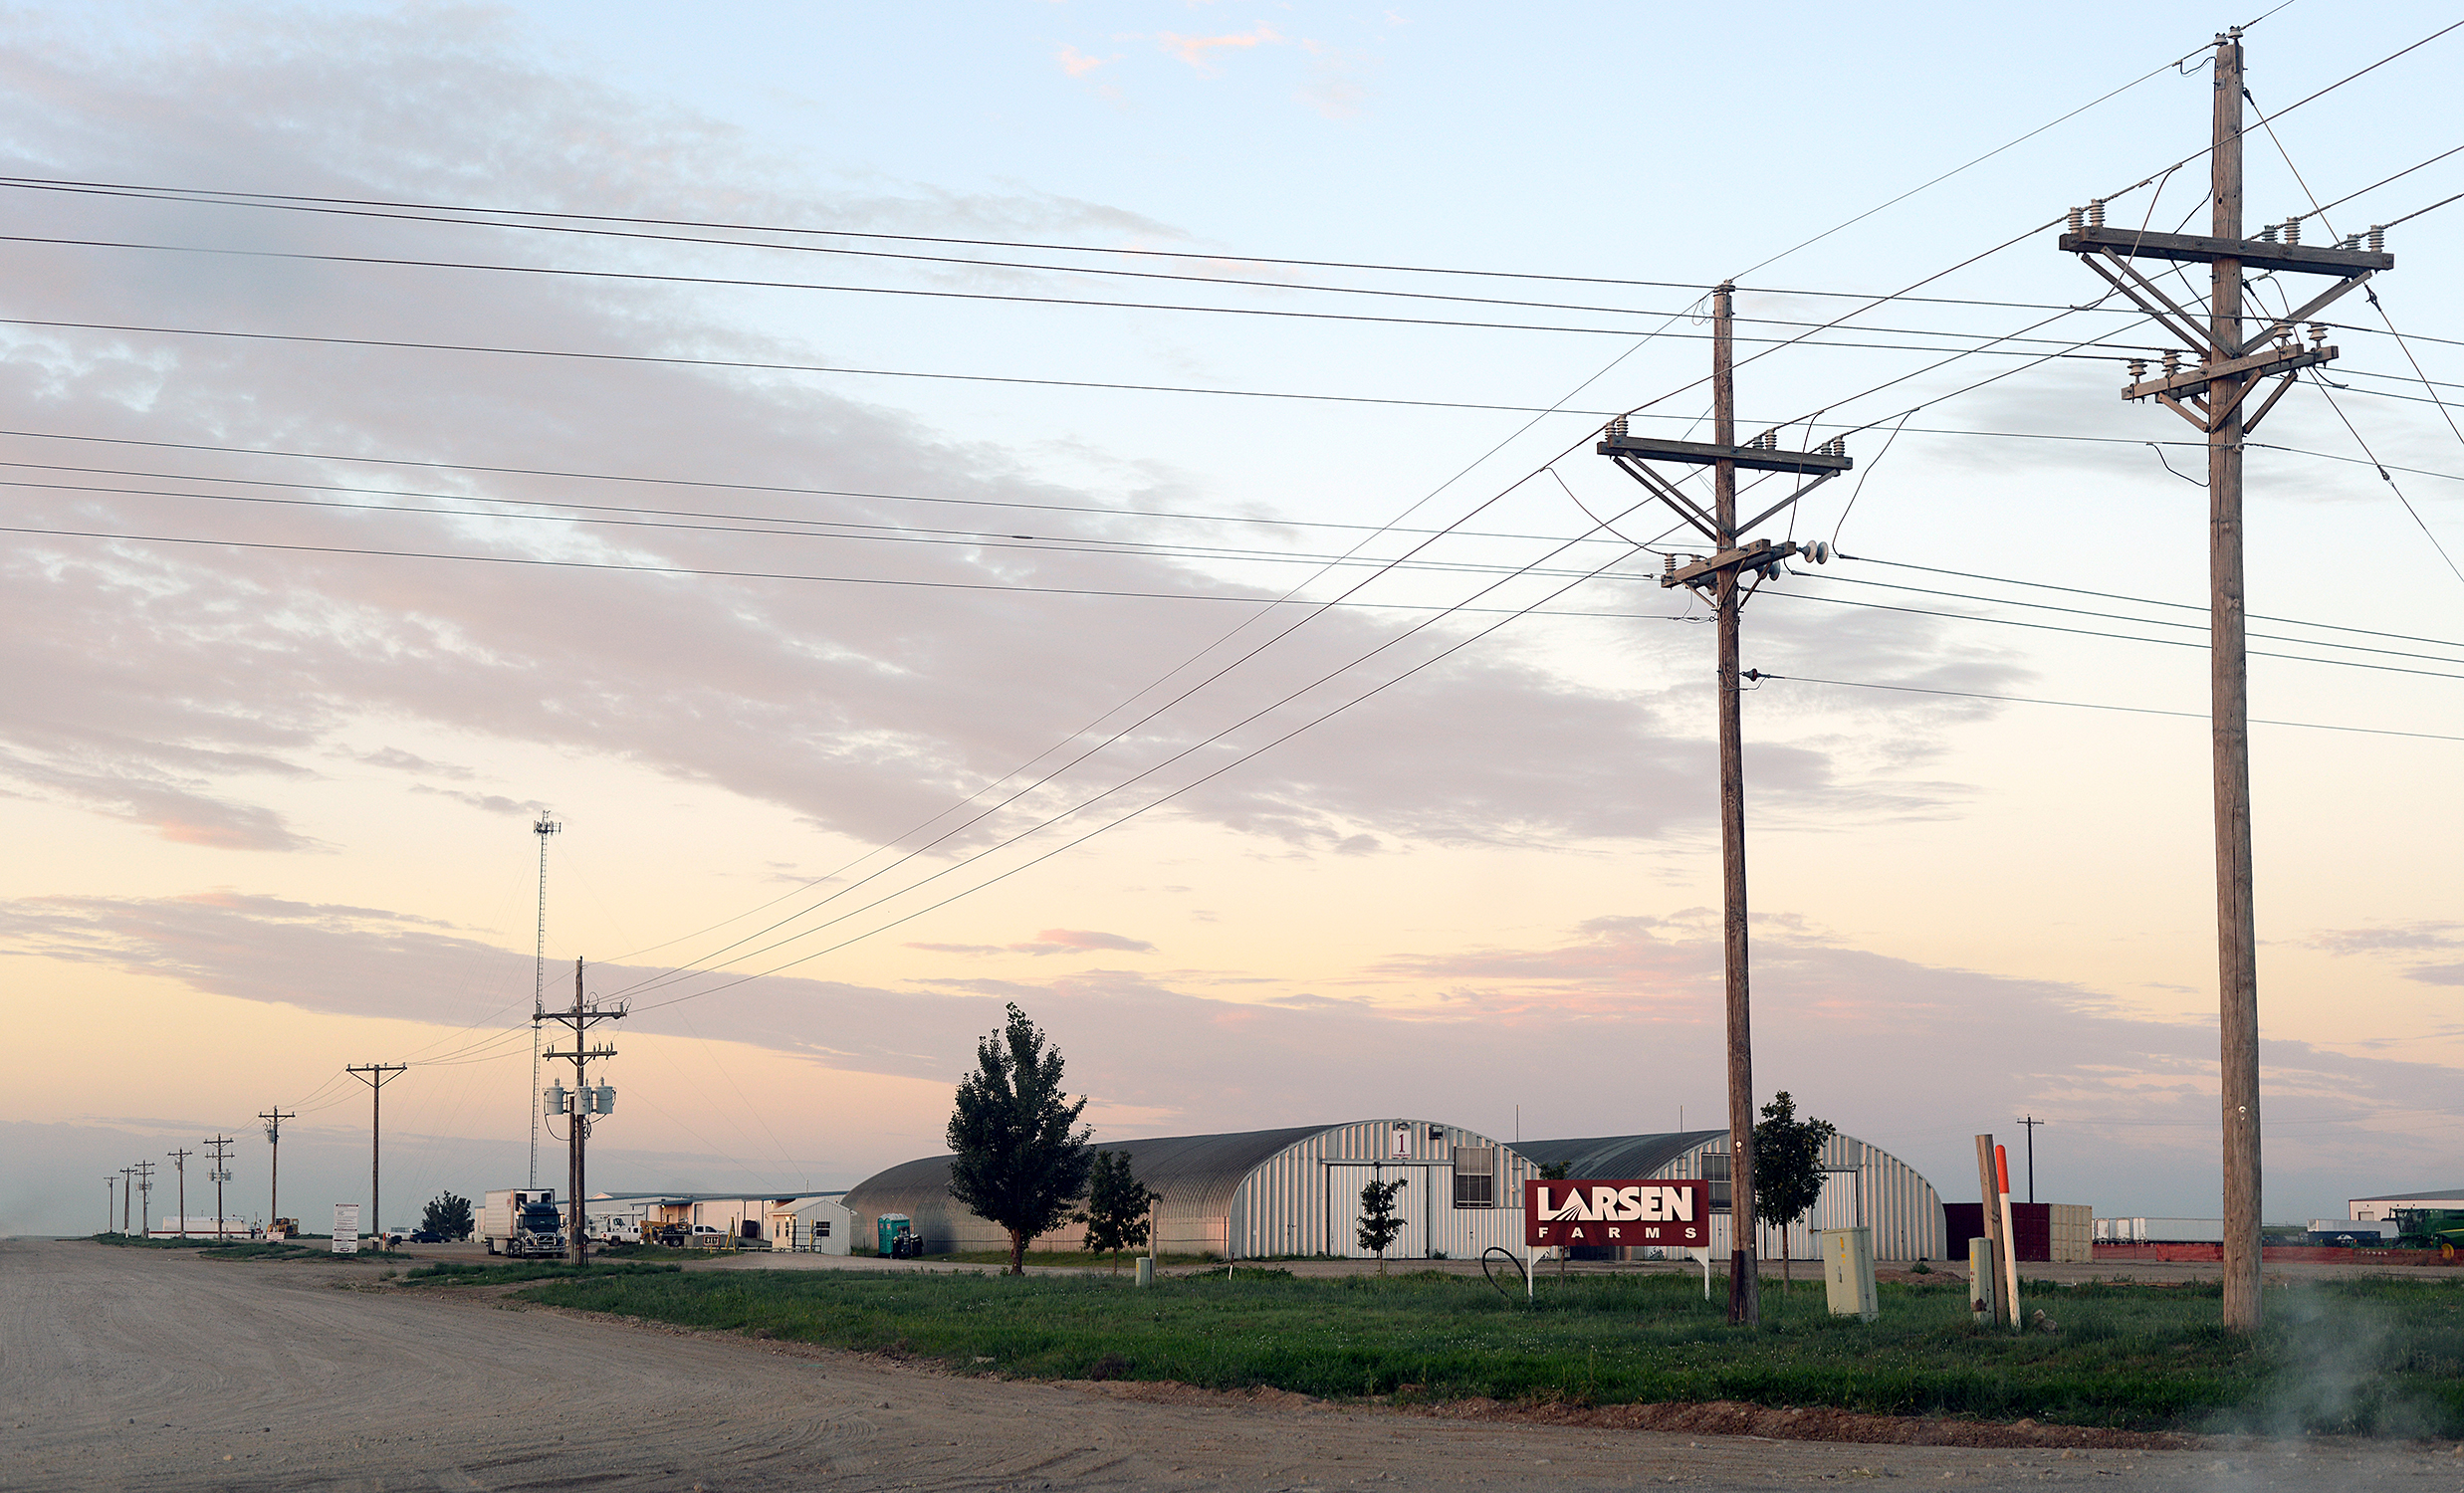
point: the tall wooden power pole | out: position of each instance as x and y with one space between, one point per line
127 1190
543 827
221 1146
2212 395
179 1163
578 1108
145 1195
1722 577
375 1076
110 1201
274 1119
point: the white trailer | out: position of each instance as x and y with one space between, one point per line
522 1222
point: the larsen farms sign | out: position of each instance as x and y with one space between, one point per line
1580 1211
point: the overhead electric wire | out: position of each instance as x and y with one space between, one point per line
925 293
2082 632
2188 606
418 212
2047 606
1158 802
2089 705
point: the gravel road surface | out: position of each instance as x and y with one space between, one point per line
143 1369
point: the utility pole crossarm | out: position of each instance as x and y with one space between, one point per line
1750 458
2198 248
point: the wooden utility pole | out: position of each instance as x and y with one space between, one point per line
222 1173
127 1190
179 1163
274 1119
375 1076
1722 576
146 1194
578 1108
543 827
2214 396
110 1201
2031 1121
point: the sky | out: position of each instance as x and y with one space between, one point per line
1092 506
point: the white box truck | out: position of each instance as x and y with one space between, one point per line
523 1222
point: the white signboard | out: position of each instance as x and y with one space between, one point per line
346 1228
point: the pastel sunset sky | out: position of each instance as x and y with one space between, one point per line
1091 505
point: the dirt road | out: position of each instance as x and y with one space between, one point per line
133 1369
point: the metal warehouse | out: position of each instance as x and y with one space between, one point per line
1266 1192
1865 1186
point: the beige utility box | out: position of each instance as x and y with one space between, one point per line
2071 1231
1848 1273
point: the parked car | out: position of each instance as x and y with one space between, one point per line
426 1237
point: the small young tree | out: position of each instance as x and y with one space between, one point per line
1556 1171
1379 1224
1119 1208
1788 1173
448 1216
1022 1158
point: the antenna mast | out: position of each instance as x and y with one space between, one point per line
543 827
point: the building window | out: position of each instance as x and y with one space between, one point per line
821 1228
1475 1176
1715 1172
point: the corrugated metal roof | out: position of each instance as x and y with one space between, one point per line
2449 1195
1196 1174
1616 1155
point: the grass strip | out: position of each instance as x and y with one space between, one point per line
457 1273
2370 1357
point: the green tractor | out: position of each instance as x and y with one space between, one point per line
2441 1230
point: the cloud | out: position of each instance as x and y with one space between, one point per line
1200 50
1077 64
396 759
2399 944
1081 940
1604 1031
177 686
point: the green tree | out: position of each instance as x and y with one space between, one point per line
1788 1174
1379 1224
448 1216
1022 1158
1556 1171
1119 1208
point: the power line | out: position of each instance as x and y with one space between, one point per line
557 221
2082 632
2090 705
2187 606
1004 297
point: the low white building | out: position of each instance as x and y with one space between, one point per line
816 1223
2388 1204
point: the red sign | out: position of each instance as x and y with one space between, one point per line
1669 1213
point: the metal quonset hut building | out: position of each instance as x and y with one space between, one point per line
1867 1187
1262 1193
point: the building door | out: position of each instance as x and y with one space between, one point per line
1344 1181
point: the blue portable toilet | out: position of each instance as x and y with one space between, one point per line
892 1226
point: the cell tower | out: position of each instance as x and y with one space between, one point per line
544 827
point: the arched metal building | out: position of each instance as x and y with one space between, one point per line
1264 1192
1866 1187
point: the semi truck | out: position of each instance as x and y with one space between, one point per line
523 1222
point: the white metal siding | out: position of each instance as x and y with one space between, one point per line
1870 1189
1305 1199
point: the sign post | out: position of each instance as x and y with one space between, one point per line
346 1228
